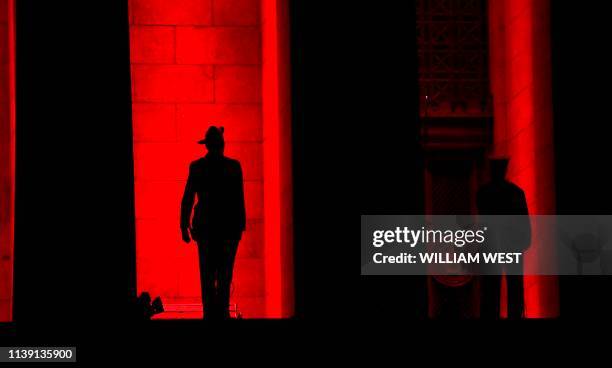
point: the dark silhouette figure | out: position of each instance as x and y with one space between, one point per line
501 197
142 308
218 220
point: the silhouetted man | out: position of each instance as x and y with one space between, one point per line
218 220
512 234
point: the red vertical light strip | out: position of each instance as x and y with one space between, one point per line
522 91
286 154
7 156
11 47
271 159
277 202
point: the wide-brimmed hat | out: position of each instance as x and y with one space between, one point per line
213 134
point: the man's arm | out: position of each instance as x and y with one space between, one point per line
187 205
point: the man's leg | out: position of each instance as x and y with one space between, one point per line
516 303
207 279
490 286
225 275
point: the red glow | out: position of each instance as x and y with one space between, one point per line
7 156
277 153
521 84
221 62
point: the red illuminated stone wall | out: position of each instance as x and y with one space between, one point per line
7 151
523 127
194 63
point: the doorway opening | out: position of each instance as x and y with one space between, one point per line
196 63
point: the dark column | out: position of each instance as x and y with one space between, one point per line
74 207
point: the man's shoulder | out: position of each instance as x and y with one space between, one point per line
203 162
196 164
514 188
231 162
